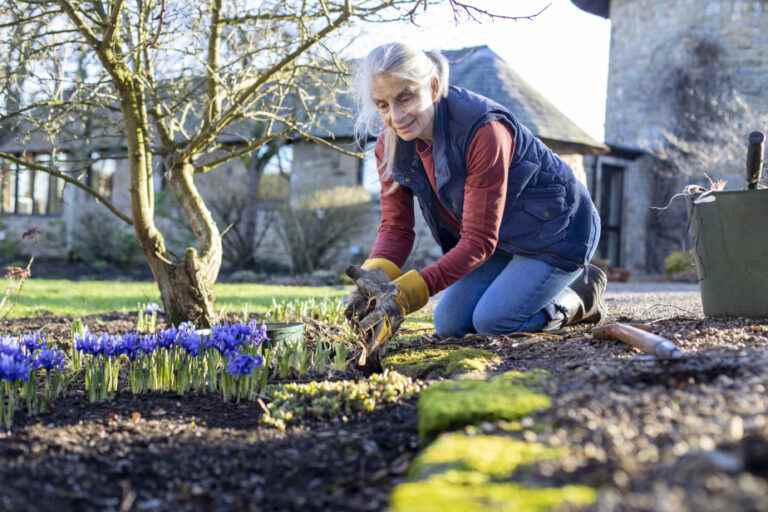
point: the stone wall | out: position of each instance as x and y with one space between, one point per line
651 37
665 55
317 167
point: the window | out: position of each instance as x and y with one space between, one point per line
611 201
101 174
369 175
28 192
281 162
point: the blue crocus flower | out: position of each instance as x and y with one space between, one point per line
223 340
109 345
87 343
151 308
10 346
191 343
50 359
102 345
167 337
258 332
130 345
241 365
33 342
148 343
14 370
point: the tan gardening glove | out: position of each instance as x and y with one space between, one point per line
390 302
375 270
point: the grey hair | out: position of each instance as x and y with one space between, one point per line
405 62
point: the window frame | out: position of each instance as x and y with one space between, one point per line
15 169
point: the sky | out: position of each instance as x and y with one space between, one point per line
563 52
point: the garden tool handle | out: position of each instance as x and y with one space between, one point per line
641 339
755 159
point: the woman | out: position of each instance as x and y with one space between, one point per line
515 225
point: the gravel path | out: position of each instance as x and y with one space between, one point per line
651 301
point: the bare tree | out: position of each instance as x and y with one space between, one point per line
176 83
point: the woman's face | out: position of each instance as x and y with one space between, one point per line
405 106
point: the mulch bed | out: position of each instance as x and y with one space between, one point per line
683 435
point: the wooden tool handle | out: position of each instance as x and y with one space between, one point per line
638 338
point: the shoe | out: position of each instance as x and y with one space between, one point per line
580 303
591 294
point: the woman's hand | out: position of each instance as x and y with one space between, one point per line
387 305
359 303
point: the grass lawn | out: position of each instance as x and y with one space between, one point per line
77 298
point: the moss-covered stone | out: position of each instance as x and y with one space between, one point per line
445 361
445 496
453 404
470 473
494 456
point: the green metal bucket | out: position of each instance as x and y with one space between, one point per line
284 332
730 237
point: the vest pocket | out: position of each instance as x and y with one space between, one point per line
545 203
540 220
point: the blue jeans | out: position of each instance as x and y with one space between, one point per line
504 295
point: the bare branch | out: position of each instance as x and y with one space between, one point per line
20 21
248 148
244 99
473 12
114 22
53 172
74 15
213 102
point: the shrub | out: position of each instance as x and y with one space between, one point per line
317 227
679 261
103 237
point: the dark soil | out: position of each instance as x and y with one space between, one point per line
166 452
649 435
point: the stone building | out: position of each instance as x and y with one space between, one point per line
35 198
687 76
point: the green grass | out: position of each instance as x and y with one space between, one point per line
78 298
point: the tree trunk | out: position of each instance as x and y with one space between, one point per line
186 292
186 286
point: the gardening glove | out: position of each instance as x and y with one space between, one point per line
391 303
375 271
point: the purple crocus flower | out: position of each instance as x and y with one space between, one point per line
152 308
167 337
130 345
14 370
33 342
241 365
10 346
191 343
148 343
87 343
50 359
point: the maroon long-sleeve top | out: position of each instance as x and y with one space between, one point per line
488 159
